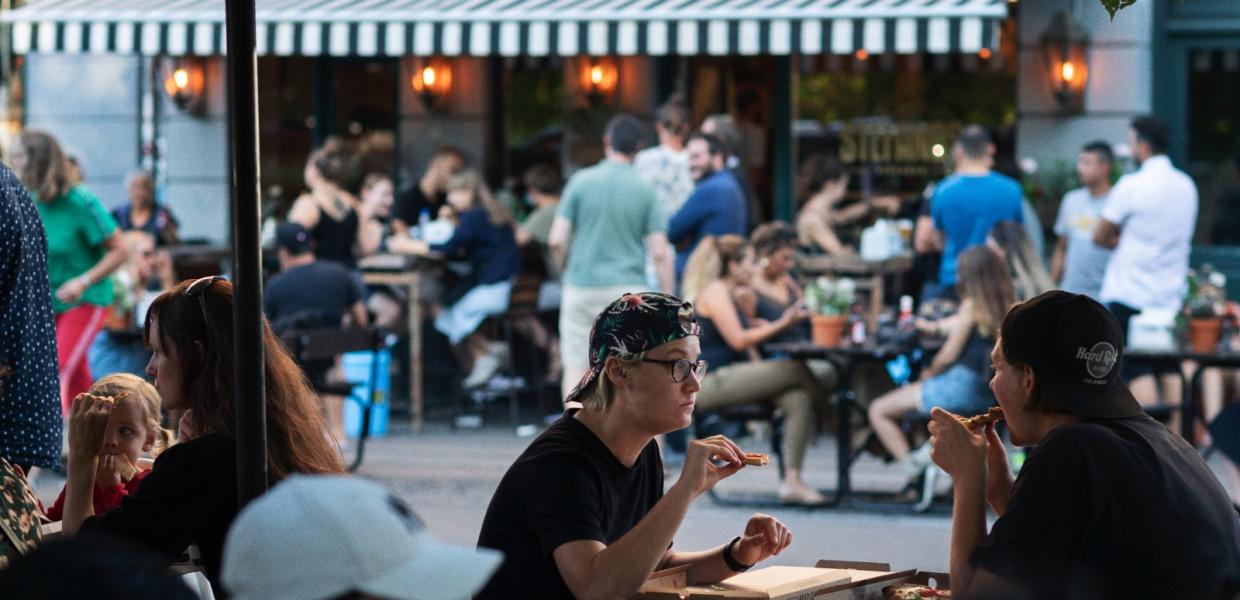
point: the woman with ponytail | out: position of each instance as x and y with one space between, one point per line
716 278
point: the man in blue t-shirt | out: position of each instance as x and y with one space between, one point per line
969 202
717 205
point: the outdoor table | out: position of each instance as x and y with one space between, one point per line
873 272
405 271
845 359
1174 358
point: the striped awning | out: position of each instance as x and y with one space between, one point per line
512 27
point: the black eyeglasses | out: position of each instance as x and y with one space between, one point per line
682 367
198 289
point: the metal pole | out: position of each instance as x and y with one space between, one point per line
250 390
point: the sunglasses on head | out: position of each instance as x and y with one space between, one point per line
198 289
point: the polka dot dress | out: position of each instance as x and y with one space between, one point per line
30 419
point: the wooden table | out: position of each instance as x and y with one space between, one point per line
405 271
855 266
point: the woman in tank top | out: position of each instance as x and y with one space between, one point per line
337 221
719 271
957 380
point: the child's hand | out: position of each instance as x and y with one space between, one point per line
88 422
106 475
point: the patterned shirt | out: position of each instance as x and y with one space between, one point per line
30 391
667 171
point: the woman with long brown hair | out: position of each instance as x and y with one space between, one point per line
1029 275
957 378
84 247
717 277
190 496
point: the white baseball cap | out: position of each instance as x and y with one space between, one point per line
321 536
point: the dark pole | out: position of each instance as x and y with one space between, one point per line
783 151
250 390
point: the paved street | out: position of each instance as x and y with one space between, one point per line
449 478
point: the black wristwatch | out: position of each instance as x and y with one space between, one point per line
731 561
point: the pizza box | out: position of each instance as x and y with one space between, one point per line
869 579
767 583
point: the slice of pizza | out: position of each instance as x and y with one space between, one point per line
993 415
124 468
913 591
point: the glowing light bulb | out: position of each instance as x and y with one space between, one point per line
596 75
180 78
1068 71
937 150
428 76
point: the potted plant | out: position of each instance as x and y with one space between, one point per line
1203 309
829 301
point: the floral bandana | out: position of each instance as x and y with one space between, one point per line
631 325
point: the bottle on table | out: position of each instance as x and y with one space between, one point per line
907 319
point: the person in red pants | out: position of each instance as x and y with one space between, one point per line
84 247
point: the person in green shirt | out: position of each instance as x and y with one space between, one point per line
84 247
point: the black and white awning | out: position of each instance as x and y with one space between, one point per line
512 27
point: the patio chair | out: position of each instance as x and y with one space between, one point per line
308 345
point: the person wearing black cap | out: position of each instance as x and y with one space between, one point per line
312 293
582 512
1109 503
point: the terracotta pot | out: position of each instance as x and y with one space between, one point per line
1203 334
828 329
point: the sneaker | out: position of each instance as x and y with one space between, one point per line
484 369
932 474
918 460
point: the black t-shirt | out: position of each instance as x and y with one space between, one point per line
313 295
1118 508
566 486
409 204
189 497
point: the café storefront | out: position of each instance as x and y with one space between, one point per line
881 82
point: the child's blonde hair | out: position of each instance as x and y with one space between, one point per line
147 398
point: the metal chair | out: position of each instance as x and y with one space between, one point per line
319 344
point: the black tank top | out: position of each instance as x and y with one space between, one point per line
334 240
770 310
715 350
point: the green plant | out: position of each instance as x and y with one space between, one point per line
1113 6
829 297
1204 299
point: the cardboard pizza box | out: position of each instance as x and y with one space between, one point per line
768 583
869 580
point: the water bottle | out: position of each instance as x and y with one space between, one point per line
424 217
856 327
907 320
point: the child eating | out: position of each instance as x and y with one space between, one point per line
133 429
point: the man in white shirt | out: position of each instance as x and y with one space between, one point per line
666 167
1078 264
1149 221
